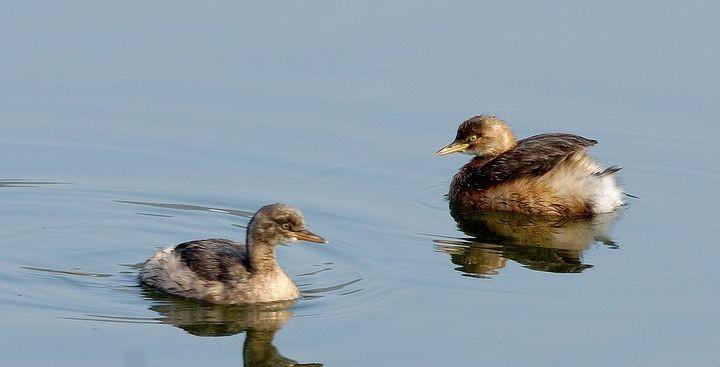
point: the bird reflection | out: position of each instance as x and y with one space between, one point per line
260 322
544 244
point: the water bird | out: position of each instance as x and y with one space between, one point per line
222 271
546 174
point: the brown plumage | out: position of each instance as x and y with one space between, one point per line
547 174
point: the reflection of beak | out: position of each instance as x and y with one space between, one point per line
453 147
306 235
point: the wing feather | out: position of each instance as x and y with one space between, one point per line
214 259
533 156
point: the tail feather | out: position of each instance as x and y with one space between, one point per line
631 195
608 171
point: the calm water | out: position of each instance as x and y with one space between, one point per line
124 129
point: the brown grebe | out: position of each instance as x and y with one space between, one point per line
547 174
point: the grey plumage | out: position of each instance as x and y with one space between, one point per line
214 259
227 272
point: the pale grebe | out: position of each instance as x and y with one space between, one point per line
227 272
547 174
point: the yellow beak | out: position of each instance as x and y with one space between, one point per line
452 148
306 235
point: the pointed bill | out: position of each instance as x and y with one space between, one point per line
452 148
308 236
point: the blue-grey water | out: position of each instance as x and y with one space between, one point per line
128 127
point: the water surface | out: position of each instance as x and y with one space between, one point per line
124 129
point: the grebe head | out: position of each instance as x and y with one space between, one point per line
484 135
280 224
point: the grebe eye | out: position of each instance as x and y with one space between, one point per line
473 137
285 226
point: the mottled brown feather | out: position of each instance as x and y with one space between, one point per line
532 156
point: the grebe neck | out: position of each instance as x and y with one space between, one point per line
261 253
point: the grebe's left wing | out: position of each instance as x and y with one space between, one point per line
533 156
214 259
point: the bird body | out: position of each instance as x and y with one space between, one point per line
547 174
227 272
